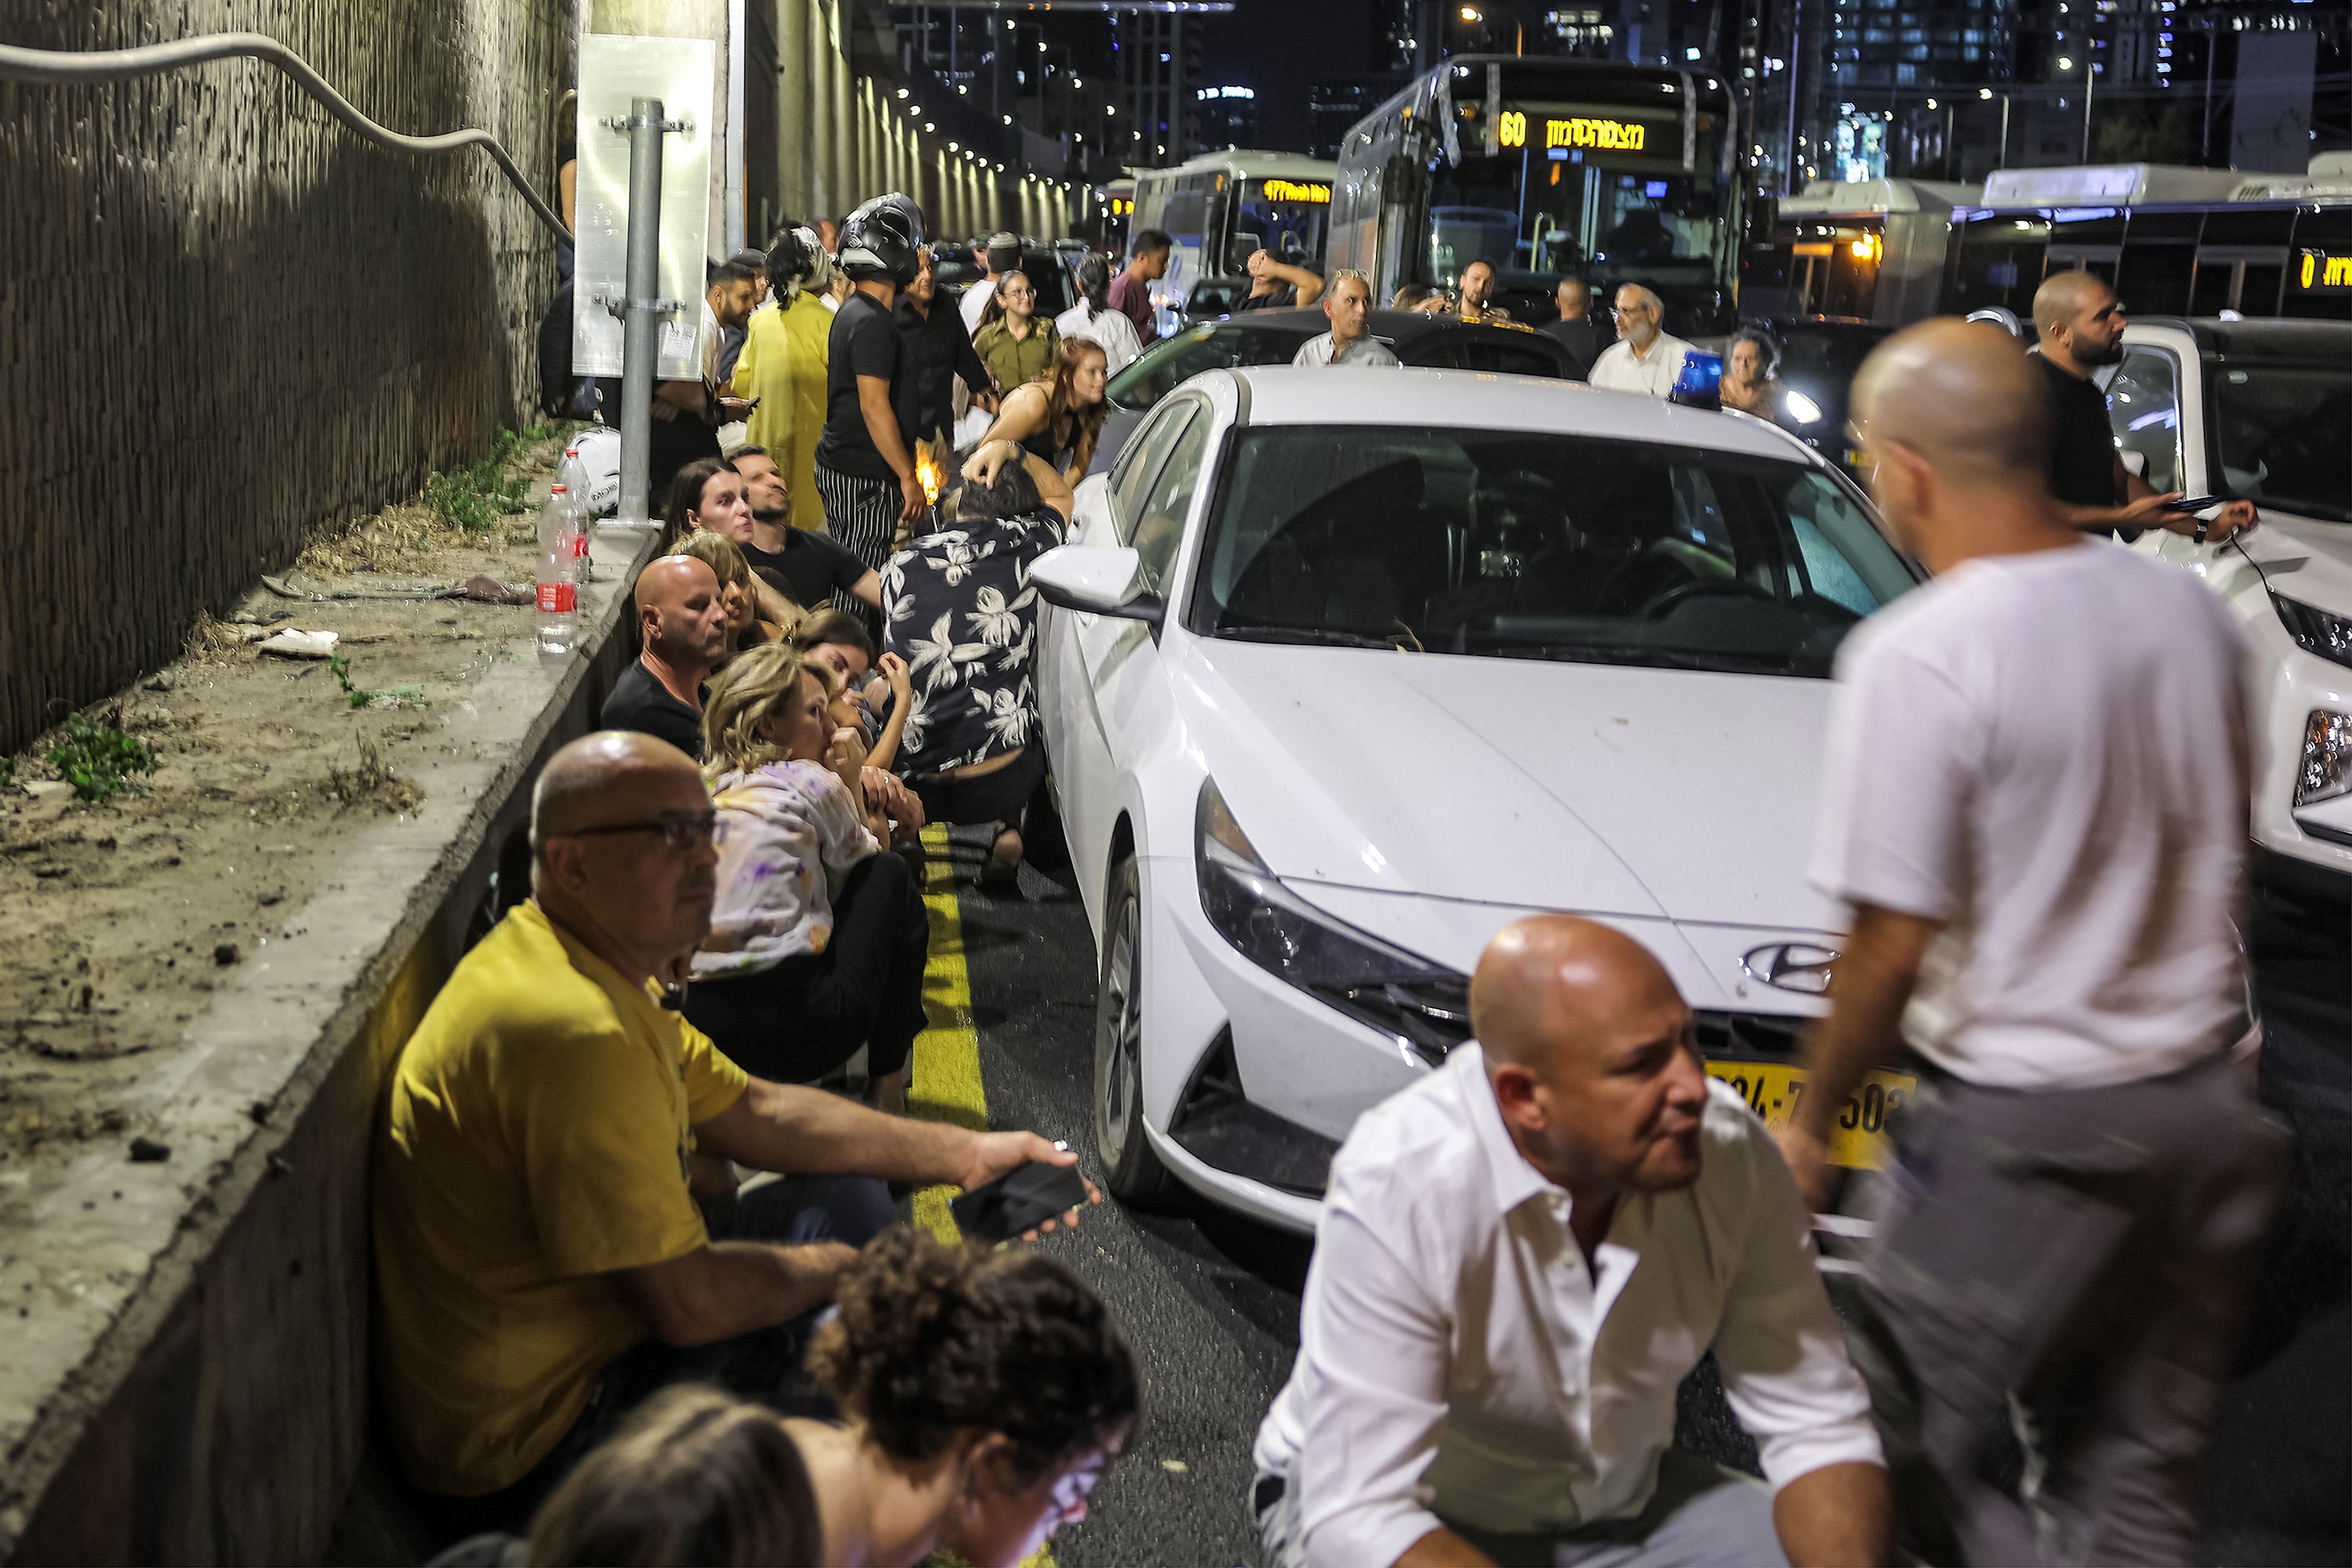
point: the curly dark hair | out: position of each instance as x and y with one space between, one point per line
933 1340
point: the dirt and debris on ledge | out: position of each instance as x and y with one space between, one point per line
227 782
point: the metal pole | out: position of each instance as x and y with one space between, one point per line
2002 161
641 323
2088 81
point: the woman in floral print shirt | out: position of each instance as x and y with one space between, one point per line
958 607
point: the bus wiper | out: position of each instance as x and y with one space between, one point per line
1323 637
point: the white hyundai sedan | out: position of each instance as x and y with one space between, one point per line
1344 670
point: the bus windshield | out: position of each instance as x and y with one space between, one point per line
1610 217
1291 230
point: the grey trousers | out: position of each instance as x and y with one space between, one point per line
2063 1270
1699 1516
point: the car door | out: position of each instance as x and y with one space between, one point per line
1078 743
2152 423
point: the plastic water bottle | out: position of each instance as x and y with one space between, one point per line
573 475
559 572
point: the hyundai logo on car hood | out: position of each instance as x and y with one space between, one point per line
1803 968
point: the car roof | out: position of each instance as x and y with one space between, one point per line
1389 326
1381 395
2269 338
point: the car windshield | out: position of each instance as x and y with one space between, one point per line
1220 345
1530 545
2283 436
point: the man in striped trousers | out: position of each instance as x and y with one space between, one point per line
864 466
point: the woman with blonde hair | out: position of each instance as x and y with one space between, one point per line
737 590
1059 418
696 1477
818 939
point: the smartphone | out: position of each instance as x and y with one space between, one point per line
1018 1200
2195 503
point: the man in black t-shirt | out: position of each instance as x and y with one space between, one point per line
684 623
2080 326
808 568
865 468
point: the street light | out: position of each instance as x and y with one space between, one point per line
1470 13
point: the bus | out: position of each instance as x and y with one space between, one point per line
1219 208
1115 208
1864 251
2172 241
1544 168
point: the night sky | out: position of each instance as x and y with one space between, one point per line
1278 46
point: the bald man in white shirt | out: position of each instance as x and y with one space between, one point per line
1520 1258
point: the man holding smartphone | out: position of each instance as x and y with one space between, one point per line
2079 324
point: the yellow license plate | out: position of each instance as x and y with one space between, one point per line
1857 1132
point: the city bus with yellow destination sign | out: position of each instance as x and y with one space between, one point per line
1545 168
1220 207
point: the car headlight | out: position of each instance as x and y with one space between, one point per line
2315 630
2327 770
1423 1006
1801 409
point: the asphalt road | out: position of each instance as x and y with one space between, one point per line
1211 1301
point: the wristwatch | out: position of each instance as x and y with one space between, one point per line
2203 524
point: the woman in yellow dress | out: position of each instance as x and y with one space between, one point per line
783 363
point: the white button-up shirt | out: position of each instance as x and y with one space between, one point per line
1459 1360
1619 369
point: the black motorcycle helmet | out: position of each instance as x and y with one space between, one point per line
882 240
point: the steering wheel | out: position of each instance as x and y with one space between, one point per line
1666 603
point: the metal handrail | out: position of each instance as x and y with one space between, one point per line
20 64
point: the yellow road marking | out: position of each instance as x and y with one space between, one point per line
945 1085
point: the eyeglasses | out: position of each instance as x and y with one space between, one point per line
679 829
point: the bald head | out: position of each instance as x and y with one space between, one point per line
1589 1054
2065 297
682 615
1963 397
611 776
1551 982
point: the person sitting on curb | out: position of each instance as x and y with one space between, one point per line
984 1394
682 621
1520 1258
738 590
542 1265
959 607
818 940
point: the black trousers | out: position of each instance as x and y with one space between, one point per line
804 1017
764 1364
1000 796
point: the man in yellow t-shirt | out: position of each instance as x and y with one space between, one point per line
542 1261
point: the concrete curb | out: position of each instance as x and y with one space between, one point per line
187 1376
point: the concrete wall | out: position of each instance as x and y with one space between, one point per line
843 134
224 319
218 1414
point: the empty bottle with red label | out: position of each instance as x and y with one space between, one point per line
561 568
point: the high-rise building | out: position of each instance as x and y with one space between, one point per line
1334 103
1157 61
1223 117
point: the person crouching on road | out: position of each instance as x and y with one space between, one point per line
958 607
1348 306
542 1265
737 590
1061 417
817 943
2035 804
985 1392
1520 1257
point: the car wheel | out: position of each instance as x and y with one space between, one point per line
1130 1170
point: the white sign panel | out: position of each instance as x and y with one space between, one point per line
614 71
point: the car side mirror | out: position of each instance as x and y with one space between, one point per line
1095 579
